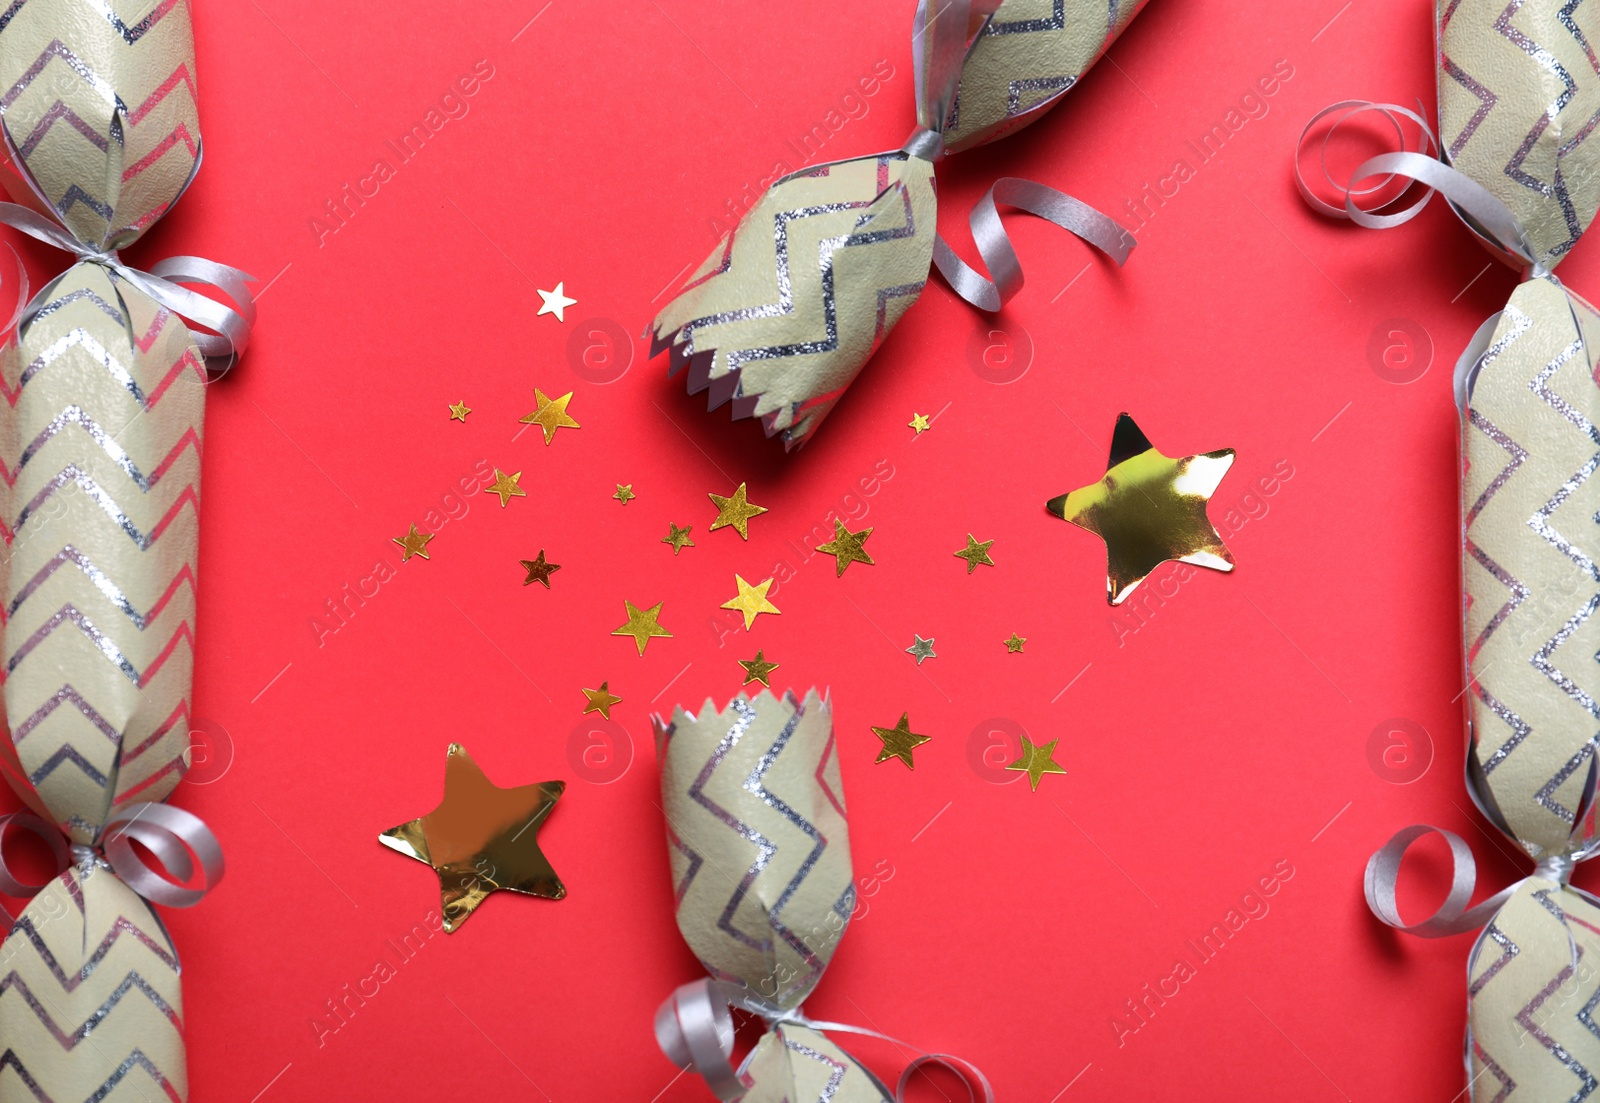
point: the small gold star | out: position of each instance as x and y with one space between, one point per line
919 422
625 493
976 554
921 649
735 511
898 742
600 700
506 487
1149 508
538 570
751 600
549 414
678 538
556 302
1014 644
459 411
413 543
642 624
1036 761
845 547
757 669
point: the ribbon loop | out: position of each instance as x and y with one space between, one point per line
1453 916
1000 257
10 883
170 834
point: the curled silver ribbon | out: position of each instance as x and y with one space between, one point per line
694 1028
170 834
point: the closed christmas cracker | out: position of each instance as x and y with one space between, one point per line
100 447
760 850
787 309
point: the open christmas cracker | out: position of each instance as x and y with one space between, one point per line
100 441
787 309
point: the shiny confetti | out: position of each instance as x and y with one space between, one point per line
556 302
642 624
751 600
1149 508
899 741
921 649
757 669
413 543
678 537
505 486
735 512
479 838
459 411
1014 644
919 422
845 547
1036 761
600 700
976 554
624 493
549 414
538 570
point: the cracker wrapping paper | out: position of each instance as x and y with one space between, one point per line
100 445
787 309
760 849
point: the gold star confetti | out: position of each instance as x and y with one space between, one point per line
735 511
1036 761
538 570
678 538
919 422
899 741
751 600
549 414
413 543
921 649
459 411
1149 508
757 669
625 494
642 624
976 554
1014 644
556 302
845 547
600 700
506 487
478 841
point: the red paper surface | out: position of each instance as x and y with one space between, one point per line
1236 727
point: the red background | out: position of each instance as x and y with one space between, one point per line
1229 731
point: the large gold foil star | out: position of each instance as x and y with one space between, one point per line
976 554
549 414
601 700
481 838
538 570
899 741
642 624
1036 761
845 547
1149 508
757 669
751 600
735 512
413 543
506 487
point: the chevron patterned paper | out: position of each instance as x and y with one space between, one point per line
760 851
1032 52
786 310
1519 99
99 101
90 1007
